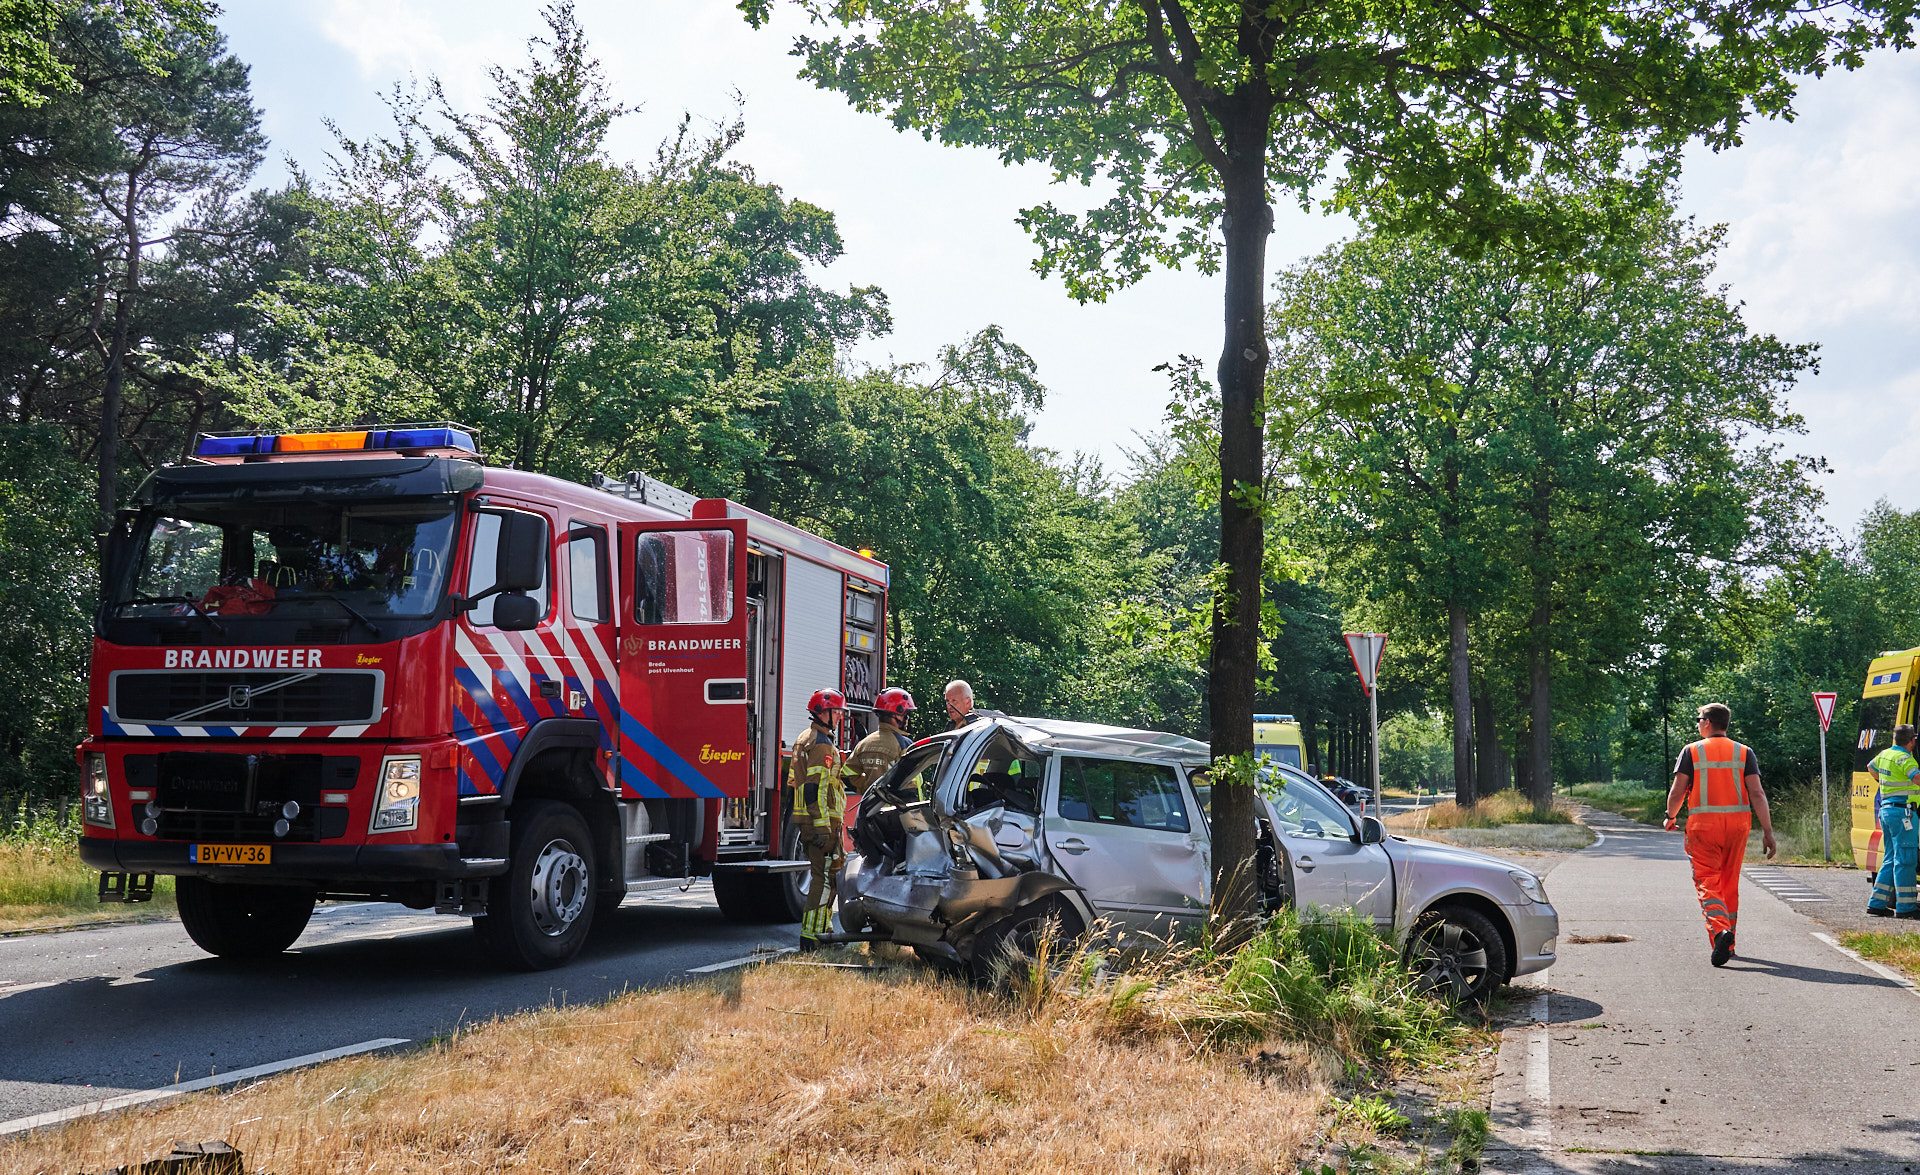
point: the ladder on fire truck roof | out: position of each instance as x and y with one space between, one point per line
648 491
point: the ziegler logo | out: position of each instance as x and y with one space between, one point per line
709 755
363 659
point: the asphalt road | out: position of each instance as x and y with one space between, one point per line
88 1014
1643 1057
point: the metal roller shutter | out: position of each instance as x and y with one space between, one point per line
811 628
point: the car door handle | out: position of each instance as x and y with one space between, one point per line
1074 845
1305 863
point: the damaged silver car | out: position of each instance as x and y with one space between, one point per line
984 840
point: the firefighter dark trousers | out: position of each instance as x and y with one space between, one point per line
1717 846
1893 886
826 855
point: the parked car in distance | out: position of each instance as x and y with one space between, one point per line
1033 824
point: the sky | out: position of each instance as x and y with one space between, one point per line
1823 239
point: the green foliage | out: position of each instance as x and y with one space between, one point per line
1336 983
47 590
32 67
1375 1113
1626 797
1549 455
1440 115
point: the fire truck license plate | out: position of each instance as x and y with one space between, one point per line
230 854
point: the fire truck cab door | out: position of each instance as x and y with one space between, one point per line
683 659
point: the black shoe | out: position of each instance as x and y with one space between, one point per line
1910 915
1879 912
1722 948
808 945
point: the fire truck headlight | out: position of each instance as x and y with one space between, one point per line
96 802
397 808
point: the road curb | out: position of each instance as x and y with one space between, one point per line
101 924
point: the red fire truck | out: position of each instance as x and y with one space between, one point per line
366 665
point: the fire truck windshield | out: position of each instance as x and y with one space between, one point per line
242 559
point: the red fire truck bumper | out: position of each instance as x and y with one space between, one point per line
296 862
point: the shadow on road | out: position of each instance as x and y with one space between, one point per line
1806 974
189 1017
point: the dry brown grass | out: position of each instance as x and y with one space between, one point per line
1502 807
783 1068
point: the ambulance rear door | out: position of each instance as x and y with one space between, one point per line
684 711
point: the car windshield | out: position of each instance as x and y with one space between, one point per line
386 559
1303 808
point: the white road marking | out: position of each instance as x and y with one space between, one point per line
1784 887
1884 972
756 957
145 1096
1539 1084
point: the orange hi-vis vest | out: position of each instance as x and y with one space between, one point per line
1718 785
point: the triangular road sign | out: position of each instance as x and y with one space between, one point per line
1366 648
1824 704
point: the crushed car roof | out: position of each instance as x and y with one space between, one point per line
1093 738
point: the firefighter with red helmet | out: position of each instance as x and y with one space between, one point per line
817 783
879 751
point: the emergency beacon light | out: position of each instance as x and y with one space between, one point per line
414 440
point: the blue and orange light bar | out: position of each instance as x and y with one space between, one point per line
425 440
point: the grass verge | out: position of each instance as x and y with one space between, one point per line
1896 950
1624 798
44 883
888 1069
1502 807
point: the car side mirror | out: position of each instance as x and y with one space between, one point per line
1372 832
512 613
522 561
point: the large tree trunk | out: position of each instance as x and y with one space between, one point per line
1309 734
1464 793
108 488
1486 759
1540 642
1236 614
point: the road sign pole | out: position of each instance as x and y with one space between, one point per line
1826 829
1823 704
1373 726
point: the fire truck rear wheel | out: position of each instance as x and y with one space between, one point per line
242 921
539 912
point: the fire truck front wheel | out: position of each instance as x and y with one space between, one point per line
539 913
242 921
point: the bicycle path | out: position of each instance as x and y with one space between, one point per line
1644 1057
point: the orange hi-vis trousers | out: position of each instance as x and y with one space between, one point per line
1717 846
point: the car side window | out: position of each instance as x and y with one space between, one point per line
483 561
1115 791
1306 811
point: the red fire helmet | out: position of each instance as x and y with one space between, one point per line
826 699
894 701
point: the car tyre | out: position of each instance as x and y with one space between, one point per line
539 912
1005 951
1456 953
242 921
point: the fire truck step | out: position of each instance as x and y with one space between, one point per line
126 887
762 867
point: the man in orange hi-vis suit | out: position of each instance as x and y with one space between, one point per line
1719 780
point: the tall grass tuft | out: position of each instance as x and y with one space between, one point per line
1502 807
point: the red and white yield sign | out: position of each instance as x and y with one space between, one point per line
1824 704
1366 648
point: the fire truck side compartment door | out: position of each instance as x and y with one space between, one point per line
683 659
811 656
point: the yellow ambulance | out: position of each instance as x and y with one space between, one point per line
1887 700
1277 737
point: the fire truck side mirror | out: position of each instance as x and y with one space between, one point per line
513 613
522 563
